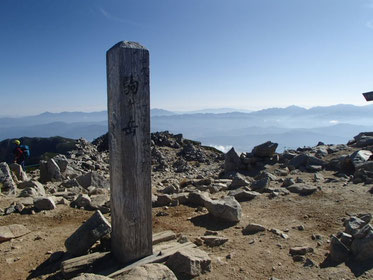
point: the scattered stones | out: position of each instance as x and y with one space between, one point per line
279 233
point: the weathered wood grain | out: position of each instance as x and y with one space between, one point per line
163 236
76 265
80 264
129 146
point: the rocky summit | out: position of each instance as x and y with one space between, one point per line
261 214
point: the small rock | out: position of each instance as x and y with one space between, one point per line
213 241
252 229
189 262
300 250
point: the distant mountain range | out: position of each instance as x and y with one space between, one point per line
291 127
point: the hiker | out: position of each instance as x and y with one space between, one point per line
21 152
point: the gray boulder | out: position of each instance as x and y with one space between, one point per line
304 160
198 198
18 171
364 141
154 271
354 224
87 234
49 171
238 181
82 201
162 200
288 182
352 162
232 161
93 179
227 209
189 262
261 185
32 189
6 179
362 245
44 203
100 202
62 162
266 149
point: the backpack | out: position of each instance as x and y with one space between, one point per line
26 150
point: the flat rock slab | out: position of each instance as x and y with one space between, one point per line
87 234
213 241
12 231
243 195
300 250
302 189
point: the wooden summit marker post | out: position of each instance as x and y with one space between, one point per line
129 146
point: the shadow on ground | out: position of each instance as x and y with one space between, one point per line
209 222
358 268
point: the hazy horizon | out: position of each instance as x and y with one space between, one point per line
181 111
247 54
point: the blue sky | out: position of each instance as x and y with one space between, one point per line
247 54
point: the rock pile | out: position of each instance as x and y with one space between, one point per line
355 242
216 184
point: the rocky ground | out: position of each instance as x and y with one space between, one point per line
301 214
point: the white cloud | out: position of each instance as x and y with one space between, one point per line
111 17
334 122
224 149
